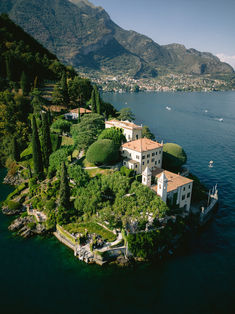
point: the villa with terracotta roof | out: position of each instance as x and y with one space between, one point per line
73 114
174 189
142 153
131 130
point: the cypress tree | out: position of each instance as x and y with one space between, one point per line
15 150
24 83
9 73
64 88
79 115
29 170
93 106
64 188
97 100
46 140
36 148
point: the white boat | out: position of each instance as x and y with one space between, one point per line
221 119
168 108
211 162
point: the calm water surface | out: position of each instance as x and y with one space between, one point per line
42 276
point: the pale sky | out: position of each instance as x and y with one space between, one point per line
206 25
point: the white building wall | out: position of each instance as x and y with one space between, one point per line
185 195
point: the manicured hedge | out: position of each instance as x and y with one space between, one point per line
103 152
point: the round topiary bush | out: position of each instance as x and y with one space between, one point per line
103 152
174 157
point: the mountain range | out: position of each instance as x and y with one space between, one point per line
84 36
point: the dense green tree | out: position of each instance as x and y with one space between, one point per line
93 103
36 149
46 140
61 125
174 157
126 114
87 131
147 133
24 83
114 134
103 152
64 89
15 150
97 100
9 67
56 158
79 91
64 188
79 175
37 100
108 110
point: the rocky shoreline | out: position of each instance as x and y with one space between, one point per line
27 227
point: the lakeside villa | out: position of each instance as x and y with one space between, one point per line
142 153
130 130
145 156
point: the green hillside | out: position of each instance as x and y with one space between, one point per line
19 53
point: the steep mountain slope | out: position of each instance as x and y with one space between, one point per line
84 35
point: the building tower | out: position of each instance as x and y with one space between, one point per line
162 187
147 177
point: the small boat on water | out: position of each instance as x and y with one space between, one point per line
168 108
211 164
206 111
219 119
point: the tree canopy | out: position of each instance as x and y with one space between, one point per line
103 152
147 133
174 157
126 114
87 131
114 134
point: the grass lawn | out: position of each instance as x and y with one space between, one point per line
94 172
91 227
67 141
84 163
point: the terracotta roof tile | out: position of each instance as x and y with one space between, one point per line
123 124
174 180
142 145
82 111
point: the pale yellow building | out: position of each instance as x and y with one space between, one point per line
142 153
131 130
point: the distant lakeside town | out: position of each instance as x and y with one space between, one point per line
163 83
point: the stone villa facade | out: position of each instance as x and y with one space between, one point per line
130 130
174 189
142 153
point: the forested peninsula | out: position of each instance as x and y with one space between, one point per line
67 168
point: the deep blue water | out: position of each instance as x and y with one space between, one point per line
42 276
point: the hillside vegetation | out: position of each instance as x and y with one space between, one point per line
83 35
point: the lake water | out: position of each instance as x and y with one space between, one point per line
42 276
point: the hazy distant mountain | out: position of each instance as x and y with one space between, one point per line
83 35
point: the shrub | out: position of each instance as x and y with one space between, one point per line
127 172
55 141
173 156
31 225
12 205
25 214
103 152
